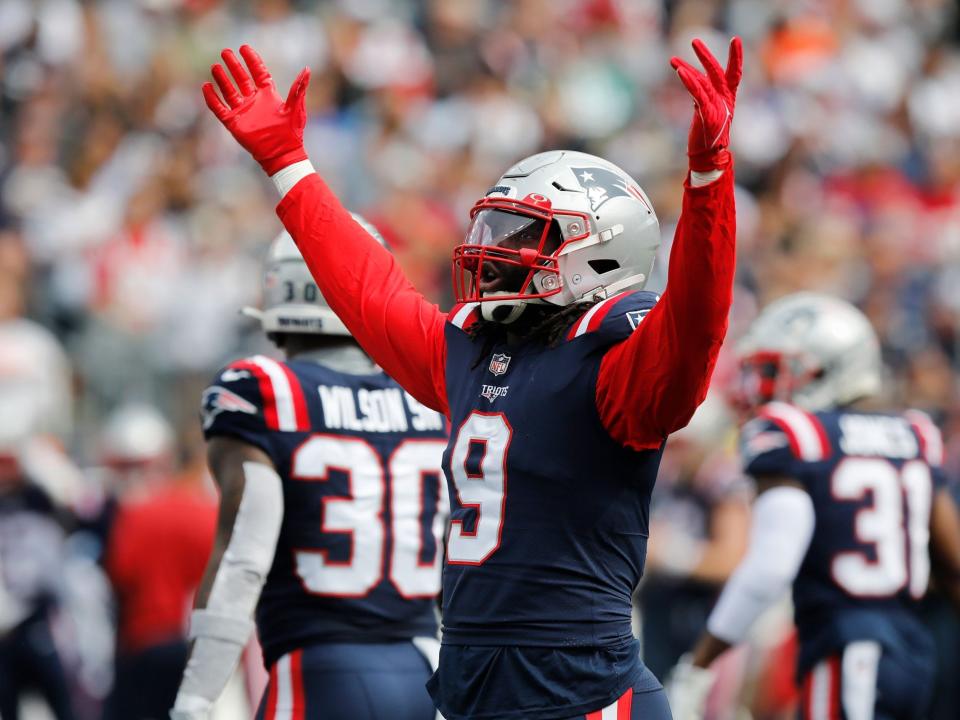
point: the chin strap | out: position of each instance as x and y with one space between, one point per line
489 307
509 311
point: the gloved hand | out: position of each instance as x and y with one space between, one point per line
714 96
268 127
687 689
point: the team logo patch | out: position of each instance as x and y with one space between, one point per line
231 375
216 400
763 442
602 185
492 392
635 316
499 363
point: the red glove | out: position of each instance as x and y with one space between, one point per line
267 127
714 96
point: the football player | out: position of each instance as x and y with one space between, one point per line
852 511
561 377
331 518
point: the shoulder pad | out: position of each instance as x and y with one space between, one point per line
931 441
463 315
765 449
616 317
804 431
255 394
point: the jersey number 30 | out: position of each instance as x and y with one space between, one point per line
897 524
360 515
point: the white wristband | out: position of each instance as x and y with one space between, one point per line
697 179
285 179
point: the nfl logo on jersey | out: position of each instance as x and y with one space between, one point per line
499 363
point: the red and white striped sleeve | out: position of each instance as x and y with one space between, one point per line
805 433
781 439
283 404
253 400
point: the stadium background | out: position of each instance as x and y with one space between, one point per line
132 227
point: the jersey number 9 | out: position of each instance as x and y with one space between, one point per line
481 484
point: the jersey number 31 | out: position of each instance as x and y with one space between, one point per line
897 524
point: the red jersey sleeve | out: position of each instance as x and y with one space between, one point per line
650 384
365 287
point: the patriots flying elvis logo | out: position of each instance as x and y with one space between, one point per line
601 185
217 399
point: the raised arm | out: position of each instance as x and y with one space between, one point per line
650 384
359 279
366 288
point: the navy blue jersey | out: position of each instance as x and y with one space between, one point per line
360 548
871 477
547 555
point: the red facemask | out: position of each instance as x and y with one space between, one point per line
508 243
767 376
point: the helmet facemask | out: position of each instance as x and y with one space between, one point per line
768 376
598 236
510 257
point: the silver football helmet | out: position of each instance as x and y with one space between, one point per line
558 227
292 303
813 350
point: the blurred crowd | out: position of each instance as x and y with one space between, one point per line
132 227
